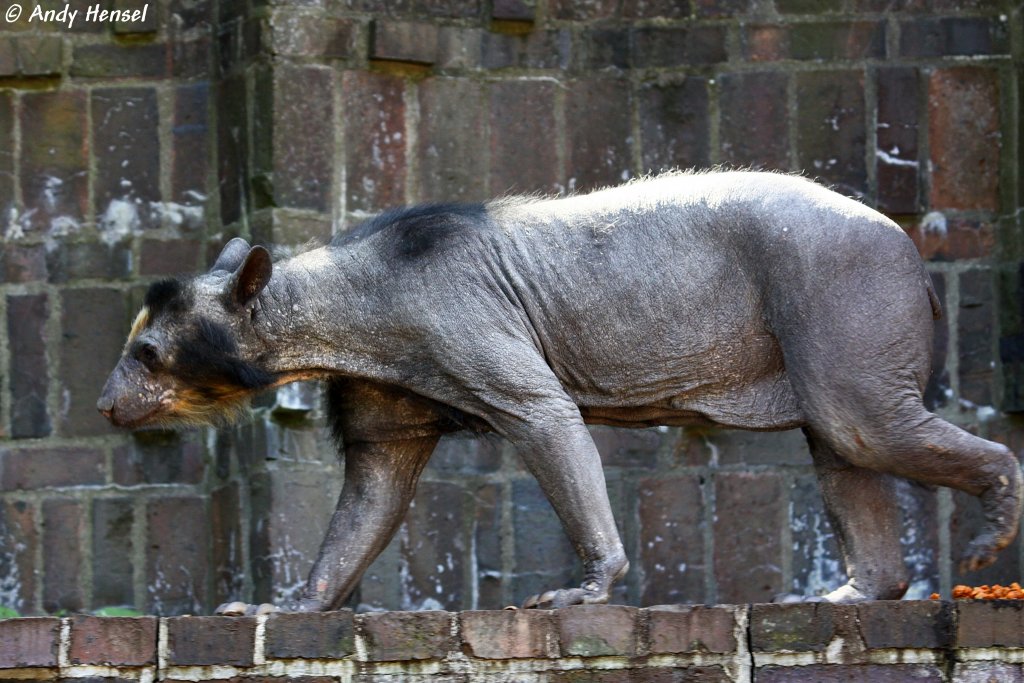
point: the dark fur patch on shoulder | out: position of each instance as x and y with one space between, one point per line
208 360
168 294
418 230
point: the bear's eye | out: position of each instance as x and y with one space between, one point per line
148 356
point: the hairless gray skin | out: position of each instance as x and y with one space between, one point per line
750 300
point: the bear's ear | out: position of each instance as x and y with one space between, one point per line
250 277
231 256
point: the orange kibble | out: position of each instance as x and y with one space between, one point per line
1015 595
961 591
933 596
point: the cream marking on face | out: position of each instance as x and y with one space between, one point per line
139 324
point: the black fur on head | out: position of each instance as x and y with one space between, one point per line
170 294
207 359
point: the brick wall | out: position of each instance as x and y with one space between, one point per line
882 641
133 151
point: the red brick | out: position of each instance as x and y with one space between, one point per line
842 673
750 508
952 239
754 136
669 9
18 562
926 624
29 642
953 36
115 641
319 635
90 260
989 623
544 558
599 135
37 468
831 133
27 317
510 634
720 8
674 123
513 10
312 35
523 126
177 560
403 636
451 125
404 41
211 640
158 457
837 40
583 10
53 183
94 324
800 627
964 137
598 630
897 162
987 672
672 521
672 47
120 60
434 545
374 121
674 629
63 528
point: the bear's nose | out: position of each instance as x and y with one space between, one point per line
105 405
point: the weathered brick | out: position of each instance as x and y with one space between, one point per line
53 182
94 325
7 168
204 641
544 558
733 447
837 40
120 60
92 260
23 263
158 457
374 121
63 528
452 122
38 55
510 634
190 151
953 36
816 565
490 578
720 8
749 510
538 49
404 636
607 47
896 128
37 468
513 10
836 673
831 129
987 672
169 257
754 136
674 123
312 35
301 166
964 137
290 511
599 135
29 642
989 623
765 43
523 127
461 455
598 630
906 624
114 641
227 544
434 545
672 522
799 627
667 47
112 569
582 10
949 238
404 41
965 522
125 124
18 569
29 374
676 629
975 330
808 6
233 129
176 560
140 17
321 635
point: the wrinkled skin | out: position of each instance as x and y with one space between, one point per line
748 300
